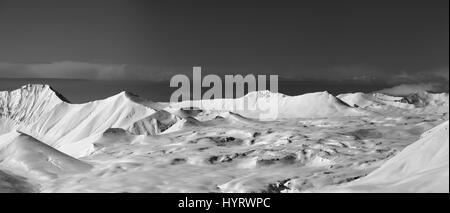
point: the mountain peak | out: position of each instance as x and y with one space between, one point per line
59 95
29 102
41 88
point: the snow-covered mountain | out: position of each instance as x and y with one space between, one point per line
422 102
39 111
266 105
249 144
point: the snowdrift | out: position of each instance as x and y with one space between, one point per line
421 167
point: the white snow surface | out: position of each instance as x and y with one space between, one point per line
313 142
25 155
421 167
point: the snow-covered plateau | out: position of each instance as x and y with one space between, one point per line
316 142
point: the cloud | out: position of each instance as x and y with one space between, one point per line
88 71
93 71
64 69
335 73
406 89
369 74
437 75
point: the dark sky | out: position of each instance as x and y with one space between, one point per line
399 41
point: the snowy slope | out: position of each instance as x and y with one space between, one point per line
7 125
25 155
420 167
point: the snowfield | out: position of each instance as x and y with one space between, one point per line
313 142
420 167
